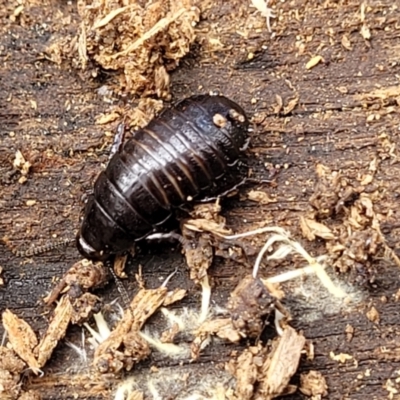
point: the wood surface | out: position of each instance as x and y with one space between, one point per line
347 115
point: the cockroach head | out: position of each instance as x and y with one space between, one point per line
88 251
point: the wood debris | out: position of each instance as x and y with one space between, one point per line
11 368
144 112
291 105
314 61
125 346
260 197
168 336
198 249
341 357
312 229
174 296
202 234
22 165
327 198
249 305
142 40
313 384
355 243
107 118
30 395
199 253
346 42
22 339
83 307
221 327
56 331
373 315
359 240
81 277
265 372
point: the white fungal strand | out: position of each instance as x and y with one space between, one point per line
288 246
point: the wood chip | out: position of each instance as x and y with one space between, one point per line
11 368
21 164
81 277
365 32
107 118
221 327
263 373
22 338
341 357
346 42
125 346
249 305
311 229
313 384
281 365
174 296
373 315
205 225
291 105
260 197
56 331
313 62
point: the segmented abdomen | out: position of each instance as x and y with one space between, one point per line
189 152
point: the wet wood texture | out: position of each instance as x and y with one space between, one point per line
347 115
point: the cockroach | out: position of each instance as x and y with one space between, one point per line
190 152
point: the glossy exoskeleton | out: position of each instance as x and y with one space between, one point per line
189 152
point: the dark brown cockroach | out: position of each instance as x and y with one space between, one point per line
191 152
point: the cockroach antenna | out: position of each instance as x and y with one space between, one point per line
121 288
40 249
